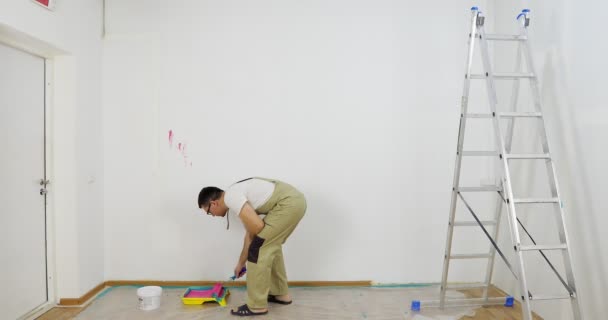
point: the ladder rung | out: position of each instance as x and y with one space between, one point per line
479 115
544 247
512 75
473 223
466 286
541 297
520 114
505 37
504 75
479 189
480 153
536 200
528 156
470 256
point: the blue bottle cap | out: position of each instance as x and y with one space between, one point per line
474 8
415 305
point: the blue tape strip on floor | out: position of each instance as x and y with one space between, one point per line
380 285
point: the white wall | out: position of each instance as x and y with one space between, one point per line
570 60
76 168
354 102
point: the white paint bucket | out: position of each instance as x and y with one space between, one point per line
149 297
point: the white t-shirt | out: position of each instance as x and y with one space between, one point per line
254 191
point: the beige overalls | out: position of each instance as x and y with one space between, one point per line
265 267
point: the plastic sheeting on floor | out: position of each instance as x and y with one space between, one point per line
392 302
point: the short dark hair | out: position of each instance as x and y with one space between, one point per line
208 194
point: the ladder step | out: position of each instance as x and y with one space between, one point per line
480 153
520 114
541 297
473 223
528 156
470 256
536 200
466 286
479 189
544 247
512 75
505 37
479 115
505 75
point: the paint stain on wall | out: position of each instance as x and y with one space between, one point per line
181 148
184 154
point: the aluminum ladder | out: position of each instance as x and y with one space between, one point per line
504 189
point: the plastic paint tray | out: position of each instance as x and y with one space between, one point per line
200 295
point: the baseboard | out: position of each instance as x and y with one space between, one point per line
116 283
84 298
362 283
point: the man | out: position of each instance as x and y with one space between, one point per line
284 206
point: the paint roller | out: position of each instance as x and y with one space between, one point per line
243 271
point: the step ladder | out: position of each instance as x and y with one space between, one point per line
504 189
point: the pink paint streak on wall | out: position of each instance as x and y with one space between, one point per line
181 147
185 155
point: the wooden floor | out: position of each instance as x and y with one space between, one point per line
495 312
485 313
60 314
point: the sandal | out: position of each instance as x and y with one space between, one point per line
273 298
244 311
